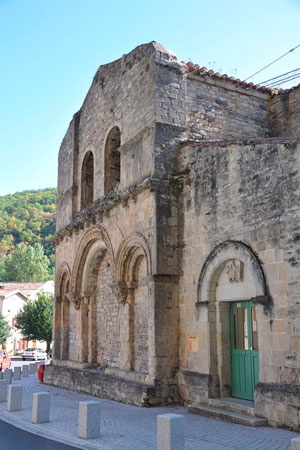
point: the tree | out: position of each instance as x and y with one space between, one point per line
27 263
4 330
35 320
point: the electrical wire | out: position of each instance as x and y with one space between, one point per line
283 81
279 76
290 51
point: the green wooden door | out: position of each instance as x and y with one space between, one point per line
244 349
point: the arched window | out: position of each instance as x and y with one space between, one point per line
112 160
87 180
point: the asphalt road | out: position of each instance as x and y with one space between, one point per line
12 438
20 363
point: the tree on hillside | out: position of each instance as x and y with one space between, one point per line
27 217
4 330
35 320
27 263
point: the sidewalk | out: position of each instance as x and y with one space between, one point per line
132 428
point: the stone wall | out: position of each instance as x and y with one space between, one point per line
248 194
143 288
285 113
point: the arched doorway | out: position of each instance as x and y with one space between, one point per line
232 286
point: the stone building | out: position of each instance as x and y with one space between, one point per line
178 240
13 297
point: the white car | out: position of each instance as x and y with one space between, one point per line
34 353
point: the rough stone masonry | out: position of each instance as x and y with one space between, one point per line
178 239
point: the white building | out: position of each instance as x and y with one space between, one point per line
12 299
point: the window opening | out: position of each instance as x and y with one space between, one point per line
112 160
87 180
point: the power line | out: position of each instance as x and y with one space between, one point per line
285 80
290 51
279 76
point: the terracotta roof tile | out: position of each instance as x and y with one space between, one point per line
25 288
203 71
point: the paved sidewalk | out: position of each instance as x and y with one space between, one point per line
131 428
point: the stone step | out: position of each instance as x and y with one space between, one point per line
227 415
232 404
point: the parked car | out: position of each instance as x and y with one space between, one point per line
5 361
34 353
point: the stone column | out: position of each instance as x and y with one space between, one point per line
127 327
85 332
92 330
223 347
65 324
57 327
213 352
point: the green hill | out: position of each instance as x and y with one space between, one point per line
28 217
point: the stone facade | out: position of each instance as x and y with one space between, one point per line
178 194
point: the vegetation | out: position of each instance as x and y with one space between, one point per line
27 219
4 330
35 321
27 263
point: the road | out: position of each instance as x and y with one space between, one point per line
20 363
12 438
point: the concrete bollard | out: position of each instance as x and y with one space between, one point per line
1 375
17 373
14 398
3 388
25 371
40 407
8 376
89 420
32 368
170 432
296 443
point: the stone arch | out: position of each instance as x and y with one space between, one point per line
87 180
96 233
215 264
132 270
112 160
236 263
130 250
94 246
62 313
63 270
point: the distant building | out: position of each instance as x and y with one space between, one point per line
178 239
12 299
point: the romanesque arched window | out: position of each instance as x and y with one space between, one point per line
87 180
112 160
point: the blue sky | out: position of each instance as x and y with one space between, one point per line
51 49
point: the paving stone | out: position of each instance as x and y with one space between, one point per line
131 428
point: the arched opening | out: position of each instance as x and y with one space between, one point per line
112 160
91 281
232 286
133 268
65 321
62 315
87 180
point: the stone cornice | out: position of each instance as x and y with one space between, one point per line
102 206
250 141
